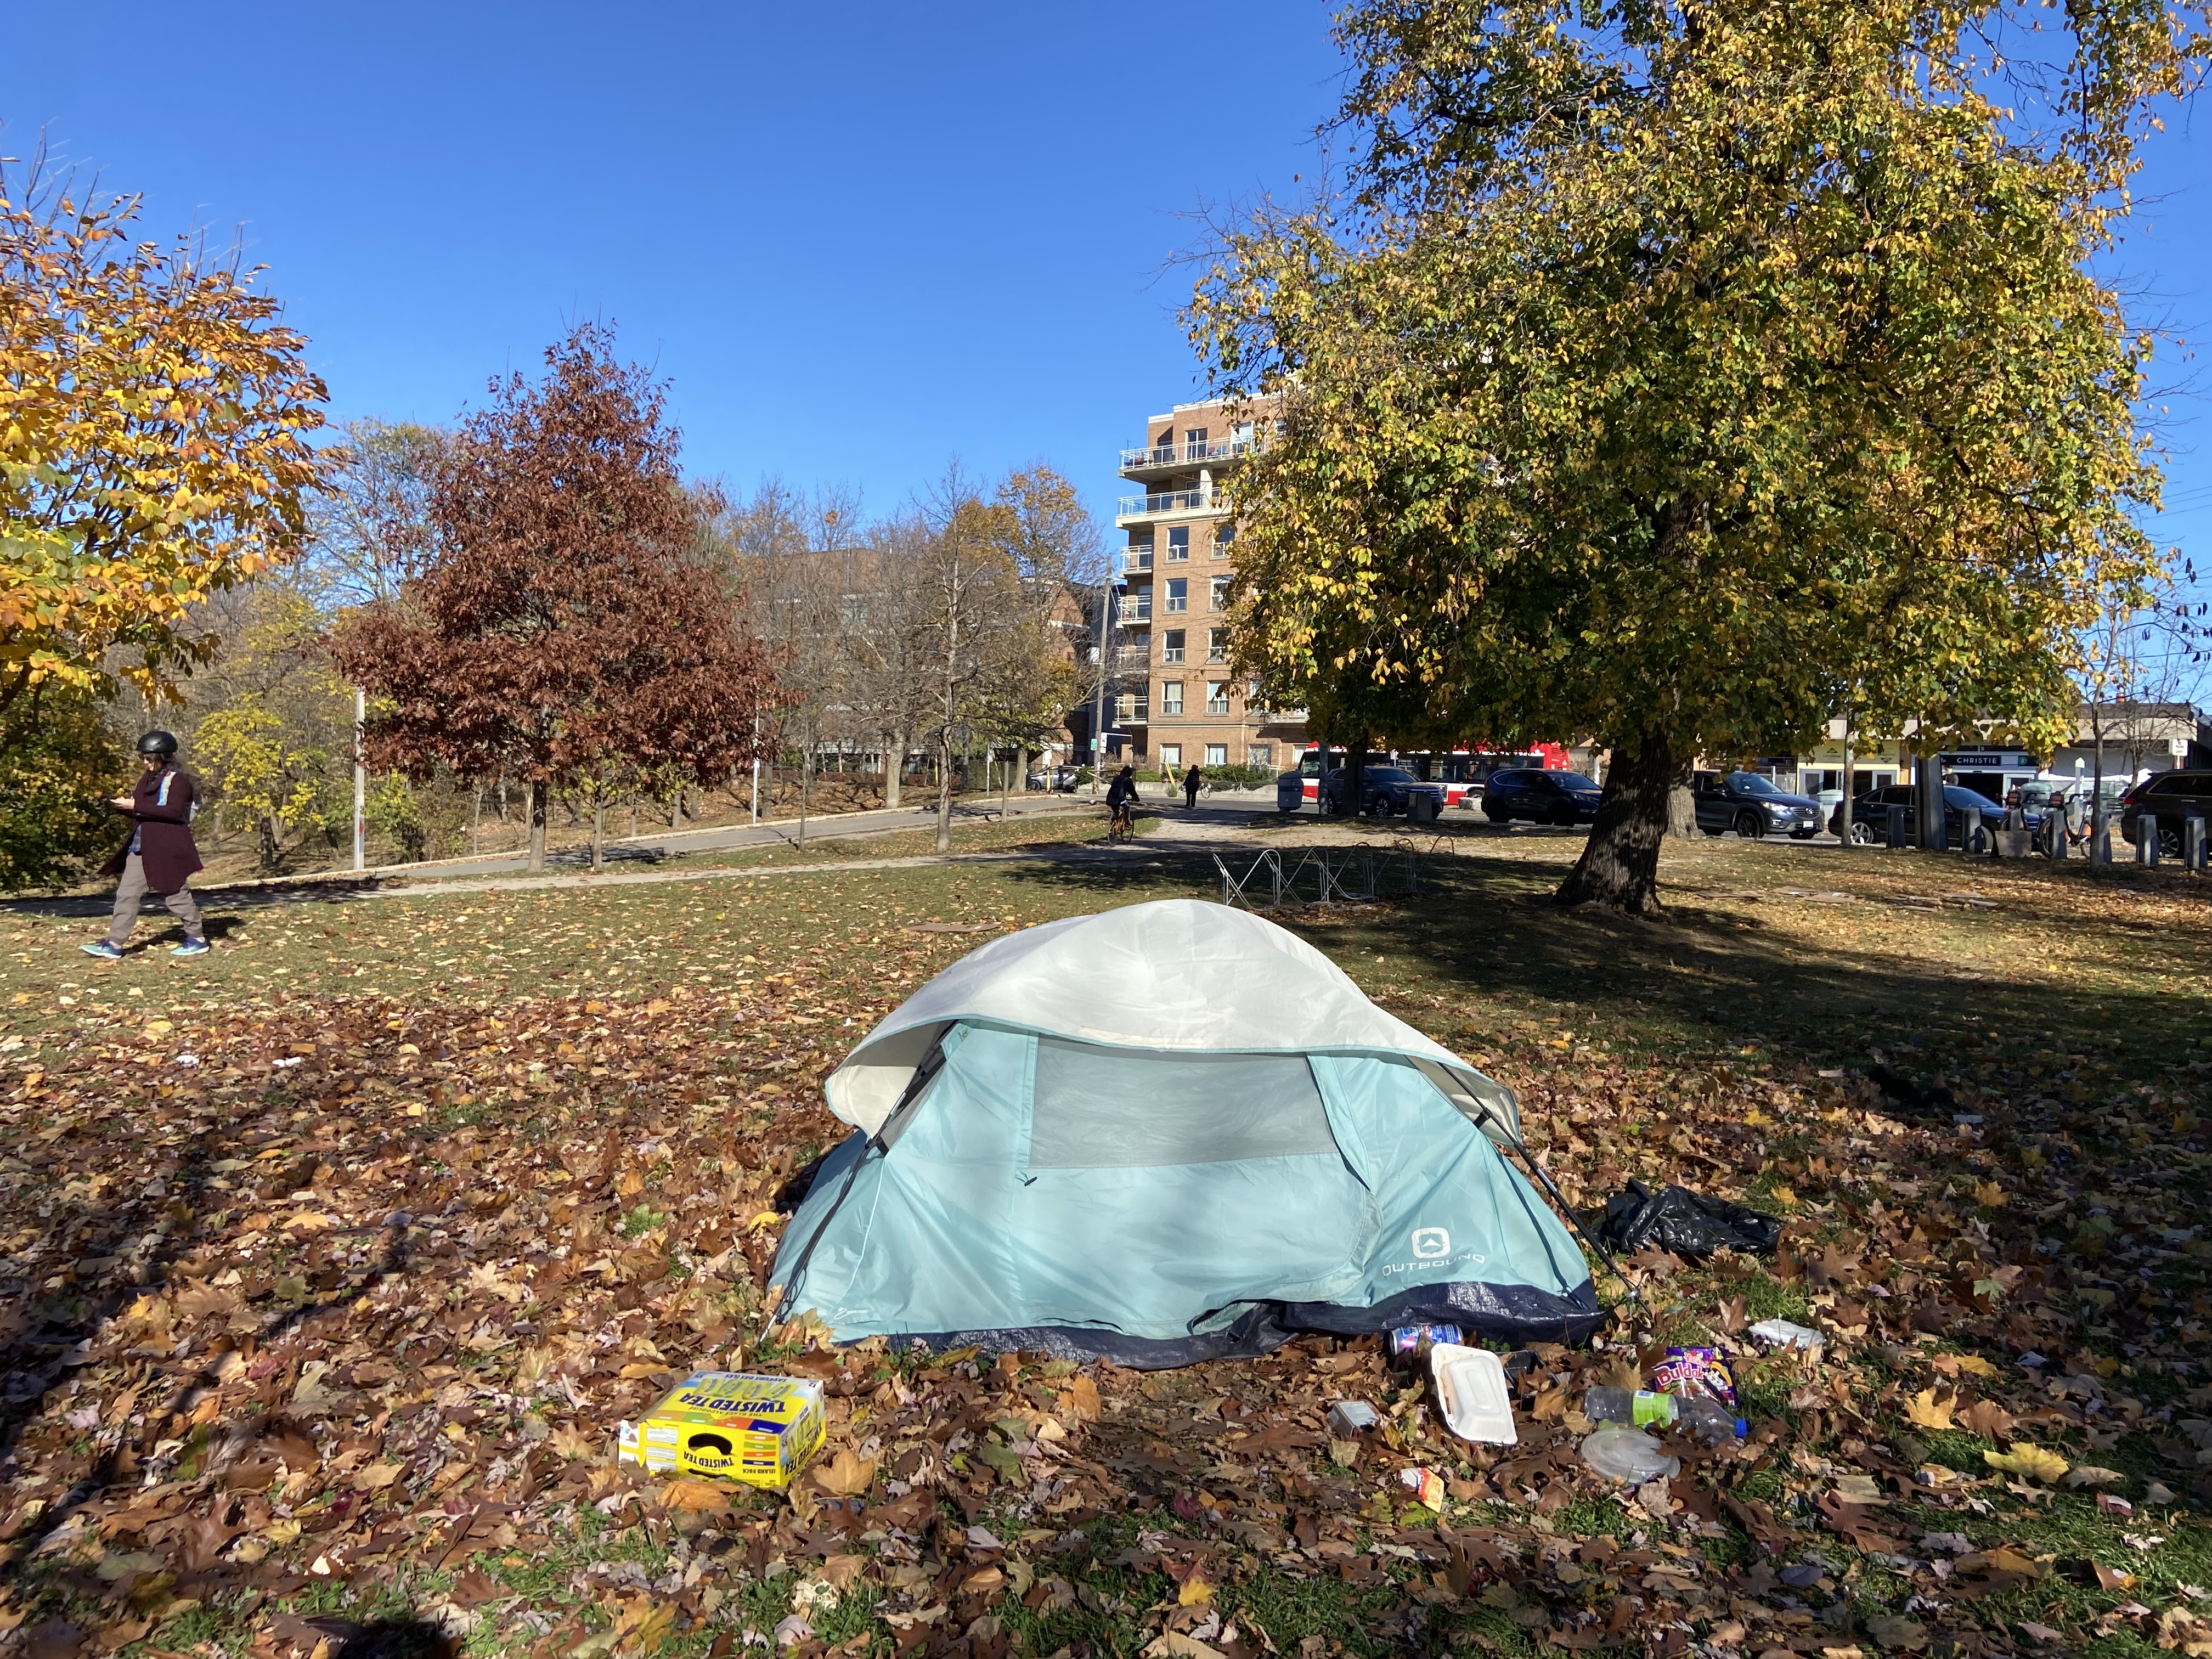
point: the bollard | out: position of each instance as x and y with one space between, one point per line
2192 842
2147 841
1970 831
2054 829
2101 838
1897 828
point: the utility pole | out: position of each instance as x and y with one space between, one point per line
1098 704
360 779
757 723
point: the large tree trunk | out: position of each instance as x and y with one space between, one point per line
1681 805
599 836
272 849
1355 777
894 768
1619 864
944 795
537 826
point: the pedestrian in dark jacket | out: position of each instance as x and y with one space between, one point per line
160 857
1191 779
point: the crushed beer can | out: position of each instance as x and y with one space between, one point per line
1412 1341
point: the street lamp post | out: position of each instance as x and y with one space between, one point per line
360 779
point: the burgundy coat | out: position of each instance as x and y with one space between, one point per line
160 811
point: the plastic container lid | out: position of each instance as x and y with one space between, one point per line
1620 1453
1471 1388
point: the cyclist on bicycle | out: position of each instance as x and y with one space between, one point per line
1120 794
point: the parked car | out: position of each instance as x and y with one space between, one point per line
2169 800
1870 813
1751 807
1541 797
1059 779
1384 790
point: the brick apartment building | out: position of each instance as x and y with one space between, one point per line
1179 704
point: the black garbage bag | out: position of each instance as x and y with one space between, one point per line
1688 1223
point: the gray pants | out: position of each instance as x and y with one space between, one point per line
131 893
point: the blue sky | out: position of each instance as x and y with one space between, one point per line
859 238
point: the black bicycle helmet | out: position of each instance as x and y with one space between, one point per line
158 743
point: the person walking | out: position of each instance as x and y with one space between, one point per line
1191 779
160 856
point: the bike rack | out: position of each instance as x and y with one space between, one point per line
1347 875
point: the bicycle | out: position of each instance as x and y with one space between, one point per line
1120 822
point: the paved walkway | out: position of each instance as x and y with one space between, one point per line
1181 832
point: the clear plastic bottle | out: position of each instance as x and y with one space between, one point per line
1708 1419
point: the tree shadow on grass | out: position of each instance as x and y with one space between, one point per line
1720 974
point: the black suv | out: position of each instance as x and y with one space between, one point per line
1524 792
1752 806
1870 814
2169 800
1388 789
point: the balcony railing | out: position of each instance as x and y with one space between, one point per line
1186 454
1168 502
1139 558
1137 608
1130 711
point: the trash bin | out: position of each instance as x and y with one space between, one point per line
1290 792
1420 807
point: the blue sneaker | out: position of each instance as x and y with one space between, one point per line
191 947
103 950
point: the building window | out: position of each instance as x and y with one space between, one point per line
1223 535
1217 754
1178 593
1195 437
1260 754
1217 697
1179 543
1217 644
1170 754
1172 645
1221 593
1171 697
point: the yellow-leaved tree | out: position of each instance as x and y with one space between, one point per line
154 422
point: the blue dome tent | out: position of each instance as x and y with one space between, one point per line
1168 1132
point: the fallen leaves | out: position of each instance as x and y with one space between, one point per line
388 1303
2035 1462
846 1475
1927 1410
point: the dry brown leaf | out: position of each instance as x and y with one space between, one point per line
1989 1420
848 1474
697 1496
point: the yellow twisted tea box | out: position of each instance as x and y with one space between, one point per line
759 1430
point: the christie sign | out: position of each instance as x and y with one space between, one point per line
1989 760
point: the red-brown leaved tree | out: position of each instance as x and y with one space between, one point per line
562 632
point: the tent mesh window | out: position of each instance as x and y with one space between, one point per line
1094 1108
